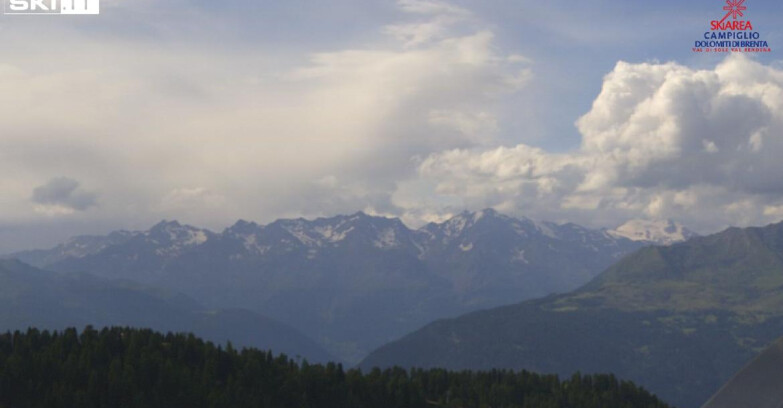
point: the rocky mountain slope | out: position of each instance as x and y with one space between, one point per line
679 319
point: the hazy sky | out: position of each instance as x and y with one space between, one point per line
211 111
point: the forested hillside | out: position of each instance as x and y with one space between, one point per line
122 367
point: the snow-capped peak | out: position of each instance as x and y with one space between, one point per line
85 245
661 232
384 233
243 227
455 225
173 236
320 232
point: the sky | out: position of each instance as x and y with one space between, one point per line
208 112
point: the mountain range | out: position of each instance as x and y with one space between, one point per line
678 319
30 297
353 282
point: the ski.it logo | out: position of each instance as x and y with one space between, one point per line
46 7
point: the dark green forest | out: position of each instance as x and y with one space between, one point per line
121 367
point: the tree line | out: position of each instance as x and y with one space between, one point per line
129 368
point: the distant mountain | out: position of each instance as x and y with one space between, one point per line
679 320
30 297
658 232
492 259
355 282
77 247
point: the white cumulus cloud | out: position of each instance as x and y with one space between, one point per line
661 141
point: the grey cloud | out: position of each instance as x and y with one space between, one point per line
64 192
223 134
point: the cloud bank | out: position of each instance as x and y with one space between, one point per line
193 118
197 131
661 141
